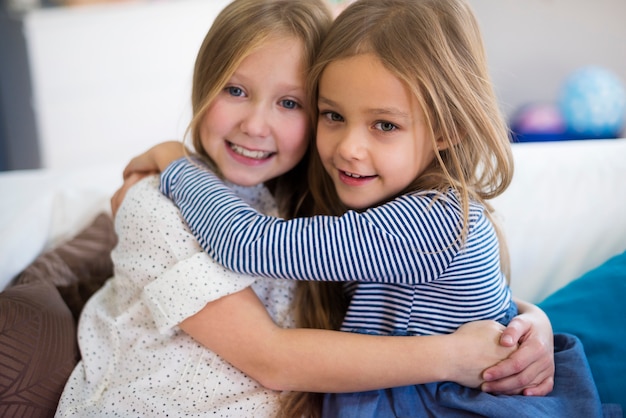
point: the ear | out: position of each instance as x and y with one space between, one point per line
442 144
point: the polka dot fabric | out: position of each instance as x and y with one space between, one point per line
135 360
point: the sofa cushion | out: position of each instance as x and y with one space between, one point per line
38 314
78 267
593 308
38 349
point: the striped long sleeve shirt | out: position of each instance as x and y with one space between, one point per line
414 275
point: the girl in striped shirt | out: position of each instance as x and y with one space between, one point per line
410 146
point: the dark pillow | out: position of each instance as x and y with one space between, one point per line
593 308
38 349
38 314
78 267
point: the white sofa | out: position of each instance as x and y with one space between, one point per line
564 213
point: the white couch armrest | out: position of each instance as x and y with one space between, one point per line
564 213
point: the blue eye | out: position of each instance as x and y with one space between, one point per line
290 104
235 91
386 126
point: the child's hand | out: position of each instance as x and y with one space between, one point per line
475 348
156 159
118 196
530 370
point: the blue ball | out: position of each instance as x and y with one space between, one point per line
593 103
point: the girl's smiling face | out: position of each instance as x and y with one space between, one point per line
371 134
256 128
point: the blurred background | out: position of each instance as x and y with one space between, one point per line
85 83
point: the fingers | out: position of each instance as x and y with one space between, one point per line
514 332
118 196
156 159
128 170
528 370
513 386
541 389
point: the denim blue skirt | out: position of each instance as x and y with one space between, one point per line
574 395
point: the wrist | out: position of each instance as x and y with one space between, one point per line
167 153
447 359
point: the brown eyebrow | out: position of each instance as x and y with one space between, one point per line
289 88
391 111
326 101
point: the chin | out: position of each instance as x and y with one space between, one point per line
247 182
356 206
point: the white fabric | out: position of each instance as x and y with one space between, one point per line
40 209
564 213
132 363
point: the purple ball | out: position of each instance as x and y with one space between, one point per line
538 122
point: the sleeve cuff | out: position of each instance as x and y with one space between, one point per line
187 287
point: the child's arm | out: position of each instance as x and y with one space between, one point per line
156 159
153 161
421 232
535 359
238 328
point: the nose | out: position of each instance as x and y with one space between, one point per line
255 122
352 145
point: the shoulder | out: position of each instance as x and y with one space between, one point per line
433 210
144 206
259 197
145 196
448 201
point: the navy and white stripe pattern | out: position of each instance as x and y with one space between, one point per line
413 275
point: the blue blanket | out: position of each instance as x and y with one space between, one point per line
593 308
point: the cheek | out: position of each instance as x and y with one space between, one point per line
216 116
323 143
215 125
295 134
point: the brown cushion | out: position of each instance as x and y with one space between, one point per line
78 267
38 349
38 315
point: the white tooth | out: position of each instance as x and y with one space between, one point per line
257 155
356 176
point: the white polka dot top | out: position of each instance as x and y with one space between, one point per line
136 362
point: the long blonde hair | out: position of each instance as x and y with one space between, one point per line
237 31
240 28
435 48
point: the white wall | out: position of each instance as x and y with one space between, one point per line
109 81
533 45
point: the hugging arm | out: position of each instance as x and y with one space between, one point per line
239 329
313 248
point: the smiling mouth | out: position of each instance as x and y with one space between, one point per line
355 176
244 152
